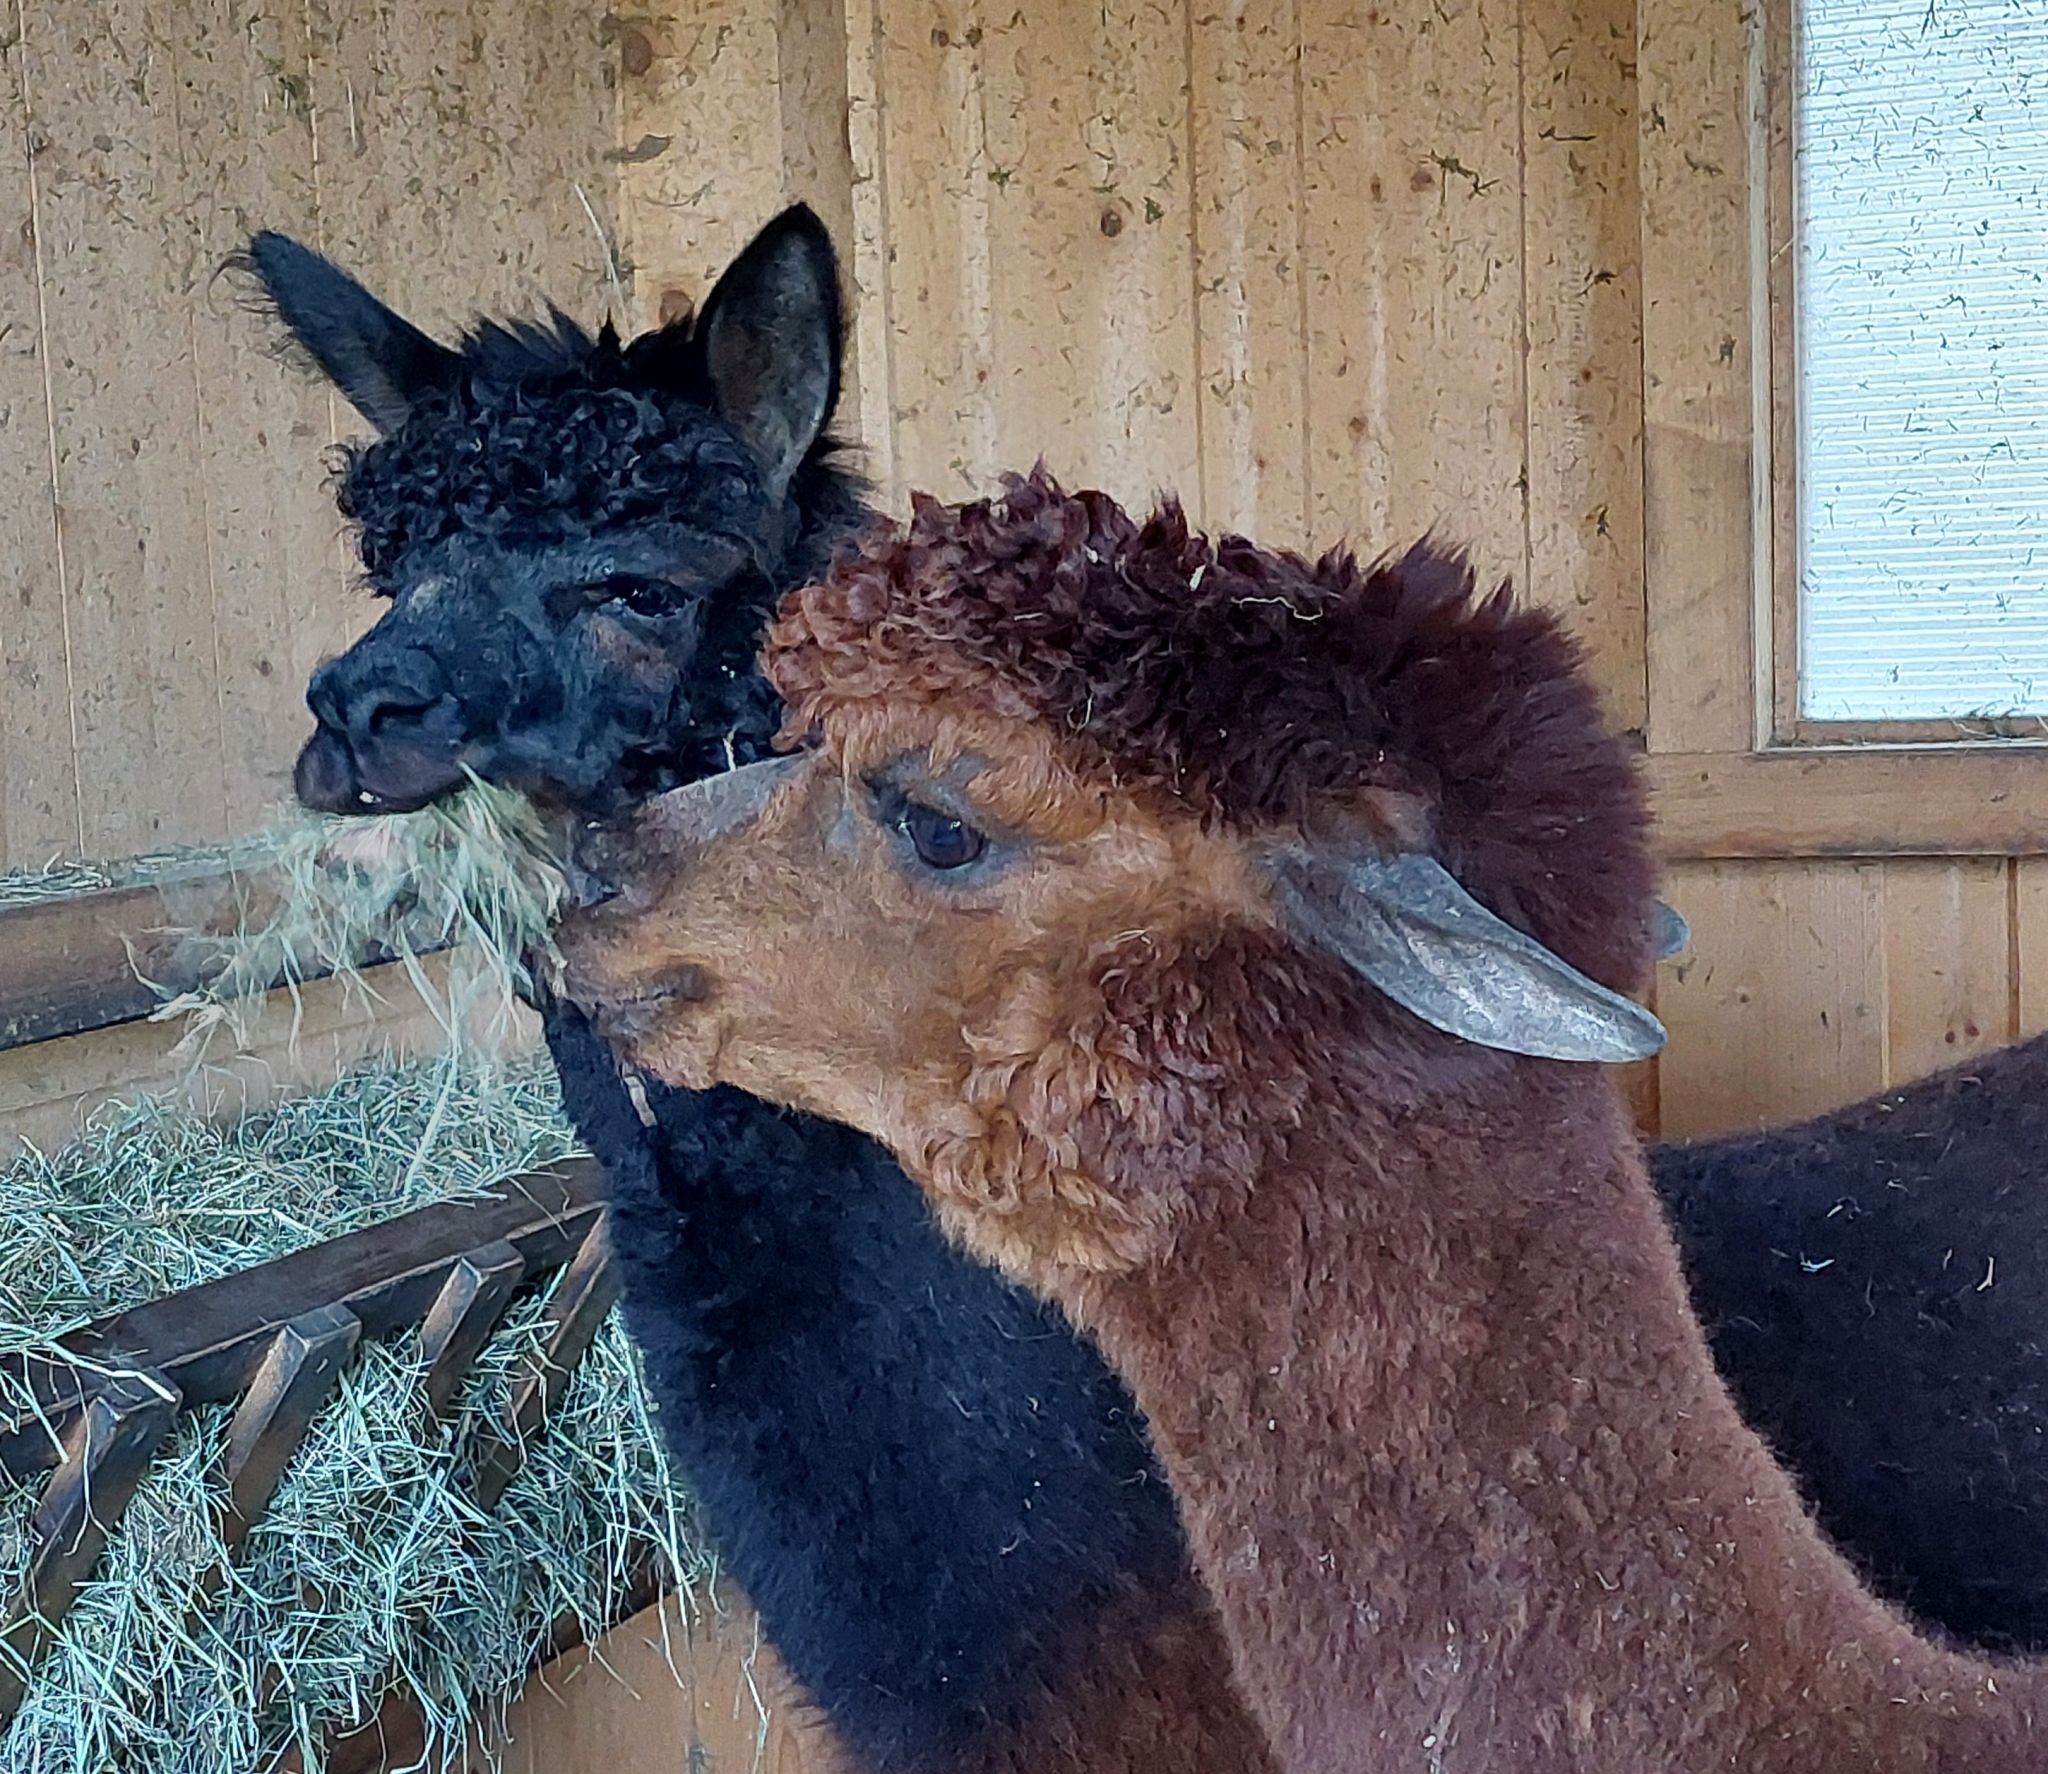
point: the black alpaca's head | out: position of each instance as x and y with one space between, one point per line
579 539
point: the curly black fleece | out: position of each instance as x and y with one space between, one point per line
556 435
924 1482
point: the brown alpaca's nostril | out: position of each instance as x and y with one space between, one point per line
589 888
689 984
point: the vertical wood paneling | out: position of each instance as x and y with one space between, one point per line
1697 108
38 776
245 86
120 262
1585 390
151 691
1948 951
817 164
2030 946
701 143
1037 259
1779 1009
1413 256
1247 125
455 138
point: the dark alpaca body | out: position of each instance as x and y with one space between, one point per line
807 1491
1849 1271
1451 1451
941 1502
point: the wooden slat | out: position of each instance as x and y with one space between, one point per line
1036 259
1582 245
2029 947
38 774
582 1296
868 253
1698 110
72 964
120 265
1252 381
1413 255
1778 1009
1948 954
1983 801
453 136
700 143
281 602
211 1340
817 164
79 963
464 1313
297 1376
106 1451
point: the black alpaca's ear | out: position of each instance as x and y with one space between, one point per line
382 362
770 336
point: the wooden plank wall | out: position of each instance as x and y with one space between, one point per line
1330 269
170 540
1355 270
171 563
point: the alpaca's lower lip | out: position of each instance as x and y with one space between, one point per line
330 777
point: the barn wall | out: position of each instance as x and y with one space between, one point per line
171 564
169 541
1331 270
1343 270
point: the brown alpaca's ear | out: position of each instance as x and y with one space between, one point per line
1405 926
1674 934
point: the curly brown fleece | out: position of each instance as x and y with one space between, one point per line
1402 1313
1239 682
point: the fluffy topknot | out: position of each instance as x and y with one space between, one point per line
553 436
1251 687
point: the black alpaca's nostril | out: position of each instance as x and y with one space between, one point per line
396 712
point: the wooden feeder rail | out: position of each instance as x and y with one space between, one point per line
273 1341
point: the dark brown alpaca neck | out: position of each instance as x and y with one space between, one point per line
1455 1464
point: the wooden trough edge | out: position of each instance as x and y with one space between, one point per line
70 965
77 963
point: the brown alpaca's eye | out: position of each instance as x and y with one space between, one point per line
940 840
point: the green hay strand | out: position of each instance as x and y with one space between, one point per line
371 1569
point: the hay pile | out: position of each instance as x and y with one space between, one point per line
370 1568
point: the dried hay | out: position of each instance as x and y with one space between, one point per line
477 873
371 1569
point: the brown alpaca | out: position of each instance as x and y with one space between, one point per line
1123 892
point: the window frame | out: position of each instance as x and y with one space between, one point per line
1736 769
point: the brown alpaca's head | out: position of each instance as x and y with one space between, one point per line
1099 834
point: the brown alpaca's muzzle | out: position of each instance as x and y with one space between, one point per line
641 979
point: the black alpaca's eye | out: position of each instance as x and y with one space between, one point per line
644 597
941 841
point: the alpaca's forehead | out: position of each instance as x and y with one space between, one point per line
541 471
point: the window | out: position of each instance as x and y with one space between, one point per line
1919 331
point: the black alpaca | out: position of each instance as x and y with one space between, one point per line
925 1483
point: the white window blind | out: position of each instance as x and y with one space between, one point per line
1923 358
